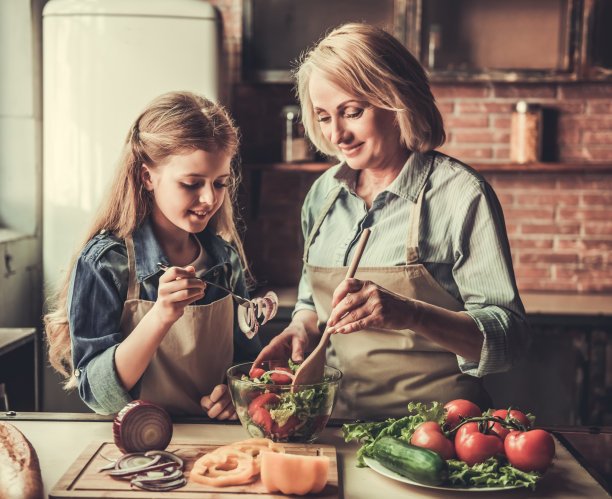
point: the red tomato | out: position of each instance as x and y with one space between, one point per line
287 429
500 430
458 409
257 372
259 410
430 436
474 447
281 379
531 450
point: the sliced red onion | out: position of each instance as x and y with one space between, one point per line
141 426
171 456
265 307
163 477
246 321
161 486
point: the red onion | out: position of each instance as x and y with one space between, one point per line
265 307
141 426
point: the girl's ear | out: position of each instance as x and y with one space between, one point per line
145 175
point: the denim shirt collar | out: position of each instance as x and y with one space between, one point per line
148 252
407 184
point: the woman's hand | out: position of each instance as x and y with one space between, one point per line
218 405
293 342
178 287
358 305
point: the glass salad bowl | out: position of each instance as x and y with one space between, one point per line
269 406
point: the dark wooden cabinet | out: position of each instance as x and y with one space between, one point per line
19 369
494 40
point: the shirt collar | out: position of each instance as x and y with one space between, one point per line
148 252
407 184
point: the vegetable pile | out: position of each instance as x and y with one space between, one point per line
267 407
245 461
142 430
457 445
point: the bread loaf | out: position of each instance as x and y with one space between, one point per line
20 476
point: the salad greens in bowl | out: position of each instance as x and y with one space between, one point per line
269 406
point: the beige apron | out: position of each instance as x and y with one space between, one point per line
193 356
385 369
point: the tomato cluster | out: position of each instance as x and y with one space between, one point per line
474 438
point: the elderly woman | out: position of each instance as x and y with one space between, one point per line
434 305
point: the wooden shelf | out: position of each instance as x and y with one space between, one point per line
289 167
481 167
543 167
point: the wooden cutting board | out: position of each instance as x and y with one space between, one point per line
85 480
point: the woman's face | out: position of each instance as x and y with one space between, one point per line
366 136
188 189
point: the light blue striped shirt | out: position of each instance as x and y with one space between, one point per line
462 243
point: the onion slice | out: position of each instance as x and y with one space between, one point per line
265 307
142 426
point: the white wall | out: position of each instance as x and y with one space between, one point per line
21 181
20 163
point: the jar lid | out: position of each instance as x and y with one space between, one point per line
523 106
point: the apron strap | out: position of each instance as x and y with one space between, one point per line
133 286
412 246
331 198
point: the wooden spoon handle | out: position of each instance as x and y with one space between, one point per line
349 274
358 252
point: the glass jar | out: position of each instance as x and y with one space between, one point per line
296 147
526 133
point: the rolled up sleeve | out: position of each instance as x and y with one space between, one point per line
485 278
94 308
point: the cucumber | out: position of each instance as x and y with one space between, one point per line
416 463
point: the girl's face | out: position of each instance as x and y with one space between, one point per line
365 135
188 189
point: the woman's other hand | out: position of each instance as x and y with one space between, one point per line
294 341
358 305
178 287
218 405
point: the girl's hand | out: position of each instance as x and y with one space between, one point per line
358 305
178 287
218 405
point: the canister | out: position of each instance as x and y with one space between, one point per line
526 133
296 147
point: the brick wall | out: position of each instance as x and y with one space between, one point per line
577 120
559 224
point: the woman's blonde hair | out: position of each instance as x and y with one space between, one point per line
374 66
173 123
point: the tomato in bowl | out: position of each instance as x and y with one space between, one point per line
269 406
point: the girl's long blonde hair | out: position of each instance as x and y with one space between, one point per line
374 66
173 123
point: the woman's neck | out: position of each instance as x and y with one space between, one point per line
372 181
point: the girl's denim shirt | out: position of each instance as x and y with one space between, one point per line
98 290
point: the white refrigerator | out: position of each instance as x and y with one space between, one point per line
103 61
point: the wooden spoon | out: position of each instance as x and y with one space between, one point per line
312 369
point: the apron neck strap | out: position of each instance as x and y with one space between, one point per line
133 286
412 246
331 198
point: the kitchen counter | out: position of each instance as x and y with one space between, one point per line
59 439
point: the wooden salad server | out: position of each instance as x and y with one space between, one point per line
312 369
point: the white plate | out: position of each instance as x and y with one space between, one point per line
379 468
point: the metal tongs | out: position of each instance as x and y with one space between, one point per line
248 310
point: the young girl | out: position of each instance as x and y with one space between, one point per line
124 329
